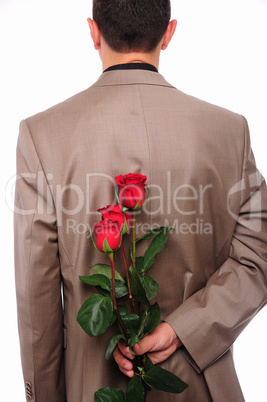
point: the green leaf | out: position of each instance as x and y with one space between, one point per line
104 269
122 310
139 263
150 319
137 288
146 386
150 285
153 319
133 340
103 292
113 318
112 345
121 289
131 321
156 246
147 362
135 391
98 279
109 394
150 234
95 314
163 380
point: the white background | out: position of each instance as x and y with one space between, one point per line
218 54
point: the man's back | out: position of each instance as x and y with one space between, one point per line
195 156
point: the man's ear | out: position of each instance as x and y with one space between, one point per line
95 33
168 34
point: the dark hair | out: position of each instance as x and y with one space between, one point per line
132 25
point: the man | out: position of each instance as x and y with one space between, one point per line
203 181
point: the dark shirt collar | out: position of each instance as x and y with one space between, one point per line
132 66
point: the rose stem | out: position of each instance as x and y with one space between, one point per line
134 252
128 279
126 331
134 246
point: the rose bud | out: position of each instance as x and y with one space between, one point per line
115 214
131 190
107 236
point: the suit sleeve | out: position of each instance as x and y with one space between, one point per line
210 320
38 278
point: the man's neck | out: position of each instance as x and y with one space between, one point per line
110 57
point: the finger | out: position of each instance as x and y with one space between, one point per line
161 338
160 356
125 350
124 364
147 344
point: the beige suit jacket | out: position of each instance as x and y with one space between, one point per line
203 181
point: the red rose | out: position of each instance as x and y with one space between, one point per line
115 214
107 236
131 190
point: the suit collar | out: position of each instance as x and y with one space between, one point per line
131 77
132 66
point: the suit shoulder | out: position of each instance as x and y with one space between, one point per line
62 111
209 114
207 107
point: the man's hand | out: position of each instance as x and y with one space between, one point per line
159 345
